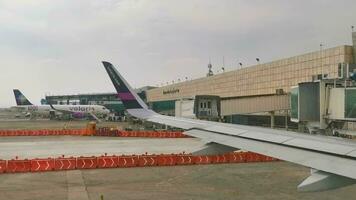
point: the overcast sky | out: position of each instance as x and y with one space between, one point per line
56 47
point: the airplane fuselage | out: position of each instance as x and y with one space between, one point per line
76 110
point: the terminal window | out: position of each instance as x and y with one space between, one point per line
350 103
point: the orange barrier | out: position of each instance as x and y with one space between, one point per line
237 157
65 163
105 131
62 163
40 165
86 162
99 132
202 159
183 159
220 158
14 166
108 161
3 165
156 134
127 161
44 132
166 160
147 160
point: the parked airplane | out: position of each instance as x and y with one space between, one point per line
76 111
332 160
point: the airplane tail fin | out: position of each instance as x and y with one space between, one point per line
21 100
132 102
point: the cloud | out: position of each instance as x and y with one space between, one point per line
56 46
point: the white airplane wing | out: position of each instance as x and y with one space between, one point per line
95 117
332 160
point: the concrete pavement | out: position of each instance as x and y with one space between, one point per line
55 146
251 181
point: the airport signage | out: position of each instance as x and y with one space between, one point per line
171 91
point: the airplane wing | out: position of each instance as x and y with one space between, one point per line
95 117
332 160
62 111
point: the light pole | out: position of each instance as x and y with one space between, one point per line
321 60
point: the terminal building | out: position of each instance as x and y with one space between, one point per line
259 94
254 95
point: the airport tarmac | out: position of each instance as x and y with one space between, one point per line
251 181
255 181
26 124
55 146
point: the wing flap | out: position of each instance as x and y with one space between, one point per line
267 137
335 148
317 160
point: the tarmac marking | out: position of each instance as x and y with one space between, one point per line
76 187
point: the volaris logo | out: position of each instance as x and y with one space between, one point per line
81 109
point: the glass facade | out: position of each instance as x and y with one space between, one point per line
350 103
294 103
160 106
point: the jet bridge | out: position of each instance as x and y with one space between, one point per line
325 105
